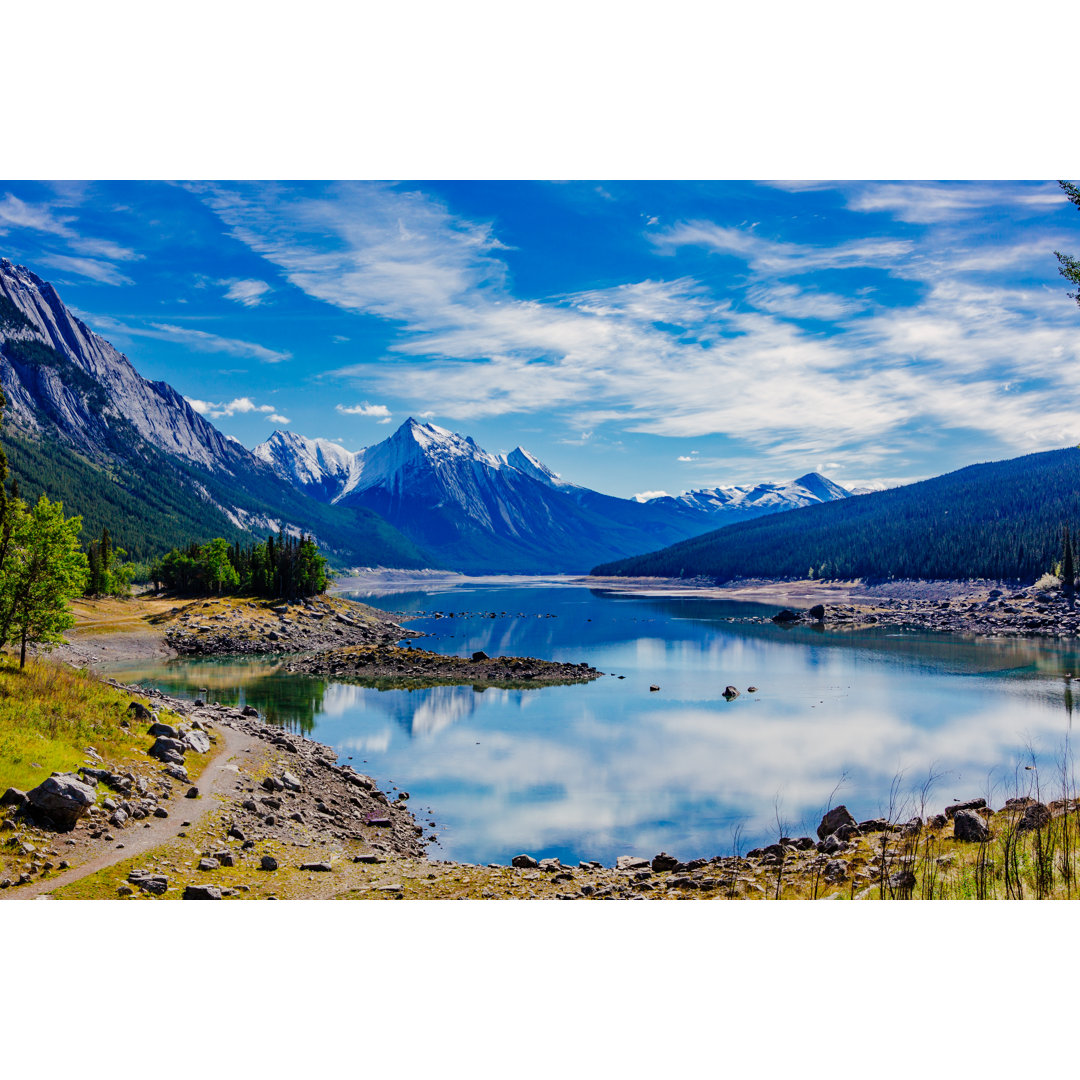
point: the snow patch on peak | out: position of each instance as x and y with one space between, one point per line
519 458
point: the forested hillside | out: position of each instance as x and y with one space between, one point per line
1001 520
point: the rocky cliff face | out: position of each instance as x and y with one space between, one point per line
84 409
69 390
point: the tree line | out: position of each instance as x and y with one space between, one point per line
1001 520
284 566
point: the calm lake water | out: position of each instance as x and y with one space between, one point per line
610 768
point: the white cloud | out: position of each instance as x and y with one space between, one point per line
246 291
795 303
684 458
926 203
671 358
15 213
217 409
780 257
364 410
94 269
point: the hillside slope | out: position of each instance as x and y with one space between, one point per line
1001 520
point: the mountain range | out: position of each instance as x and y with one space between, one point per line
486 512
82 425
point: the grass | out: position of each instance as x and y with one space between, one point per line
50 714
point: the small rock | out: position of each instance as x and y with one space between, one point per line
191 793
13 797
653 688
268 862
1035 817
291 782
208 864
730 693
316 867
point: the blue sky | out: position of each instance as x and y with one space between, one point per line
638 337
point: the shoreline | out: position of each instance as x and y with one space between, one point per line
275 815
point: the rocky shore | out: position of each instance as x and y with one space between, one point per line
406 665
1030 611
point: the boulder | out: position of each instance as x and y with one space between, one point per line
198 741
291 782
524 862
551 866
268 862
249 710
817 613
1035 817
632 862
140 712
785 616
971 804
191 793
13 797
878 824
831 845
272 783
63 799
663 862
969 826
480 655
837 816
730 693
202 892
208 864
159 729
151 883
168 750
316 867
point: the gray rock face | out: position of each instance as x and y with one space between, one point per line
833 820
63 799
969 826
198 741
202 892
290 782
632 862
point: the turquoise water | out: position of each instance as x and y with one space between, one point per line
610 768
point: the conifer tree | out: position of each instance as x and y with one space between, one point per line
1068 573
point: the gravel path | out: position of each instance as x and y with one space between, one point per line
217 779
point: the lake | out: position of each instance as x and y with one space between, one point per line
860 717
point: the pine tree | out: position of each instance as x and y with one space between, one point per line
1068 573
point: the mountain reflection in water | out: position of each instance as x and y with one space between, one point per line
610 768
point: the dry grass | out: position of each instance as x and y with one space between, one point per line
50 714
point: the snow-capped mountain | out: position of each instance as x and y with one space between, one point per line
731 504
486 512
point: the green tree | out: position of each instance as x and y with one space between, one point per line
1068 267
43 571
220 575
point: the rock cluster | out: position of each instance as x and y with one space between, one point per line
391 662
239 627
1027 611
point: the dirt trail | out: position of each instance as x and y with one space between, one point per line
218 779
